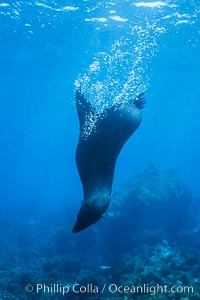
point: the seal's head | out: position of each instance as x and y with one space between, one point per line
91 211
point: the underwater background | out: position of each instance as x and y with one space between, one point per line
114 50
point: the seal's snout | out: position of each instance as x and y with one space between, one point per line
79 226
86 217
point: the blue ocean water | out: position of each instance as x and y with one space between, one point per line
113 50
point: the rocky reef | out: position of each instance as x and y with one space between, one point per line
150 237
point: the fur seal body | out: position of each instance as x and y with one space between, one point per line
96 154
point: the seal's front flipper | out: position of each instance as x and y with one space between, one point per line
140 101
83 106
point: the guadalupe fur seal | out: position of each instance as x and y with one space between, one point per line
97 153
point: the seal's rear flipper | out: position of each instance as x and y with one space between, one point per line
140 101
83 106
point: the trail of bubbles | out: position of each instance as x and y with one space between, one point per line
118 76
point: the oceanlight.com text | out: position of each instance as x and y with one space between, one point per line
148 289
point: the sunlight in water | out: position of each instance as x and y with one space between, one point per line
120 74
